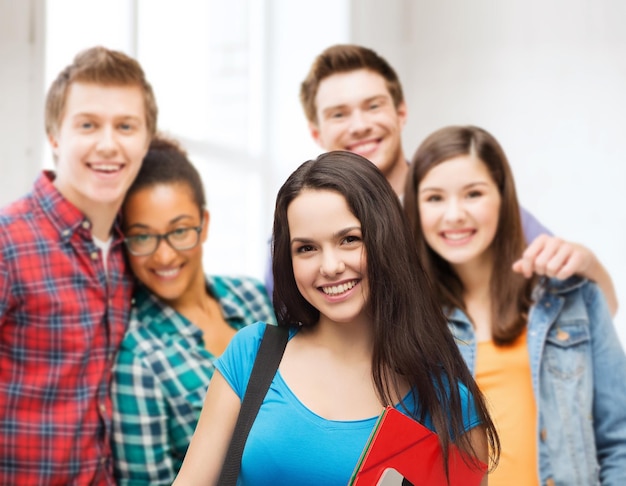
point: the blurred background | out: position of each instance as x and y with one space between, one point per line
548 79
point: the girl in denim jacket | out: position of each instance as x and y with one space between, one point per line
543 351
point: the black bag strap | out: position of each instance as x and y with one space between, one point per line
265 365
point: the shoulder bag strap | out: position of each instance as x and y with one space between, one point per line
266 363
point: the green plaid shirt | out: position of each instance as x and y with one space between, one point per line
161 376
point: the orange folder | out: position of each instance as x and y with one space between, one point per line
401 443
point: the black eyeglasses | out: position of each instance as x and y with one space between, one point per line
179 239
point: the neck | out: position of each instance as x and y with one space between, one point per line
195 298
476 280
397 175
476 275
100 215
102 221
351 340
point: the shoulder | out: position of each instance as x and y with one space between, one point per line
244 287
236 363
242 297
562 287
575 299
148 327
248 339
17 219
570 289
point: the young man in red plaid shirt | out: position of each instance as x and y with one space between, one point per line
64 290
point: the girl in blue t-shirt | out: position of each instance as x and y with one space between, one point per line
365 332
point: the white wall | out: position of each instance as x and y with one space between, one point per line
21 95
297 33
548 79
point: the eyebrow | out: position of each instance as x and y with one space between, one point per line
87 114
465 187
338 234
378 97
178 219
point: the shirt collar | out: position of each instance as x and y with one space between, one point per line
63 215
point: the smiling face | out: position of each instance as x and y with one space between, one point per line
328 255
100 144
171 274
459 206
355 112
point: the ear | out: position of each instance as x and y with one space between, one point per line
54 144
315 133
402 113
206 219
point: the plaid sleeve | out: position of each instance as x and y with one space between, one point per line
141 447
5 295
244 297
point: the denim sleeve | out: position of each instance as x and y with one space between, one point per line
609 374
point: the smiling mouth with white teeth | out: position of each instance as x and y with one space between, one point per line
108 168
339 289
365 147
167 273
457 236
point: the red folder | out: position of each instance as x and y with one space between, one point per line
401 443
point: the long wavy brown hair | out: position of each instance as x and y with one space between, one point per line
510 292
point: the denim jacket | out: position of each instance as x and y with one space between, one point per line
578 372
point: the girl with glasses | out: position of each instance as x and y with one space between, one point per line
181 319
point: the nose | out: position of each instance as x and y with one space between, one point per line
332 264
164 253
454 211
359 123
107 141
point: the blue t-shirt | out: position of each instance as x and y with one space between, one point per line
288 443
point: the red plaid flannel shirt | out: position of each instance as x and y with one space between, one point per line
61 322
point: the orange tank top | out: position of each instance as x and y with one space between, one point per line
503 375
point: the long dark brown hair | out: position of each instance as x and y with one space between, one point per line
412 341
510 292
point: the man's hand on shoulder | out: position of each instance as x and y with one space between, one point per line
554 257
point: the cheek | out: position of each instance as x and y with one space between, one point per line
331 136
299 271
137 265
490 214
428 219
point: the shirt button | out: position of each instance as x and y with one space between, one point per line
543 434
103 408
86 224
65 232
548 304
94 255
562 335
